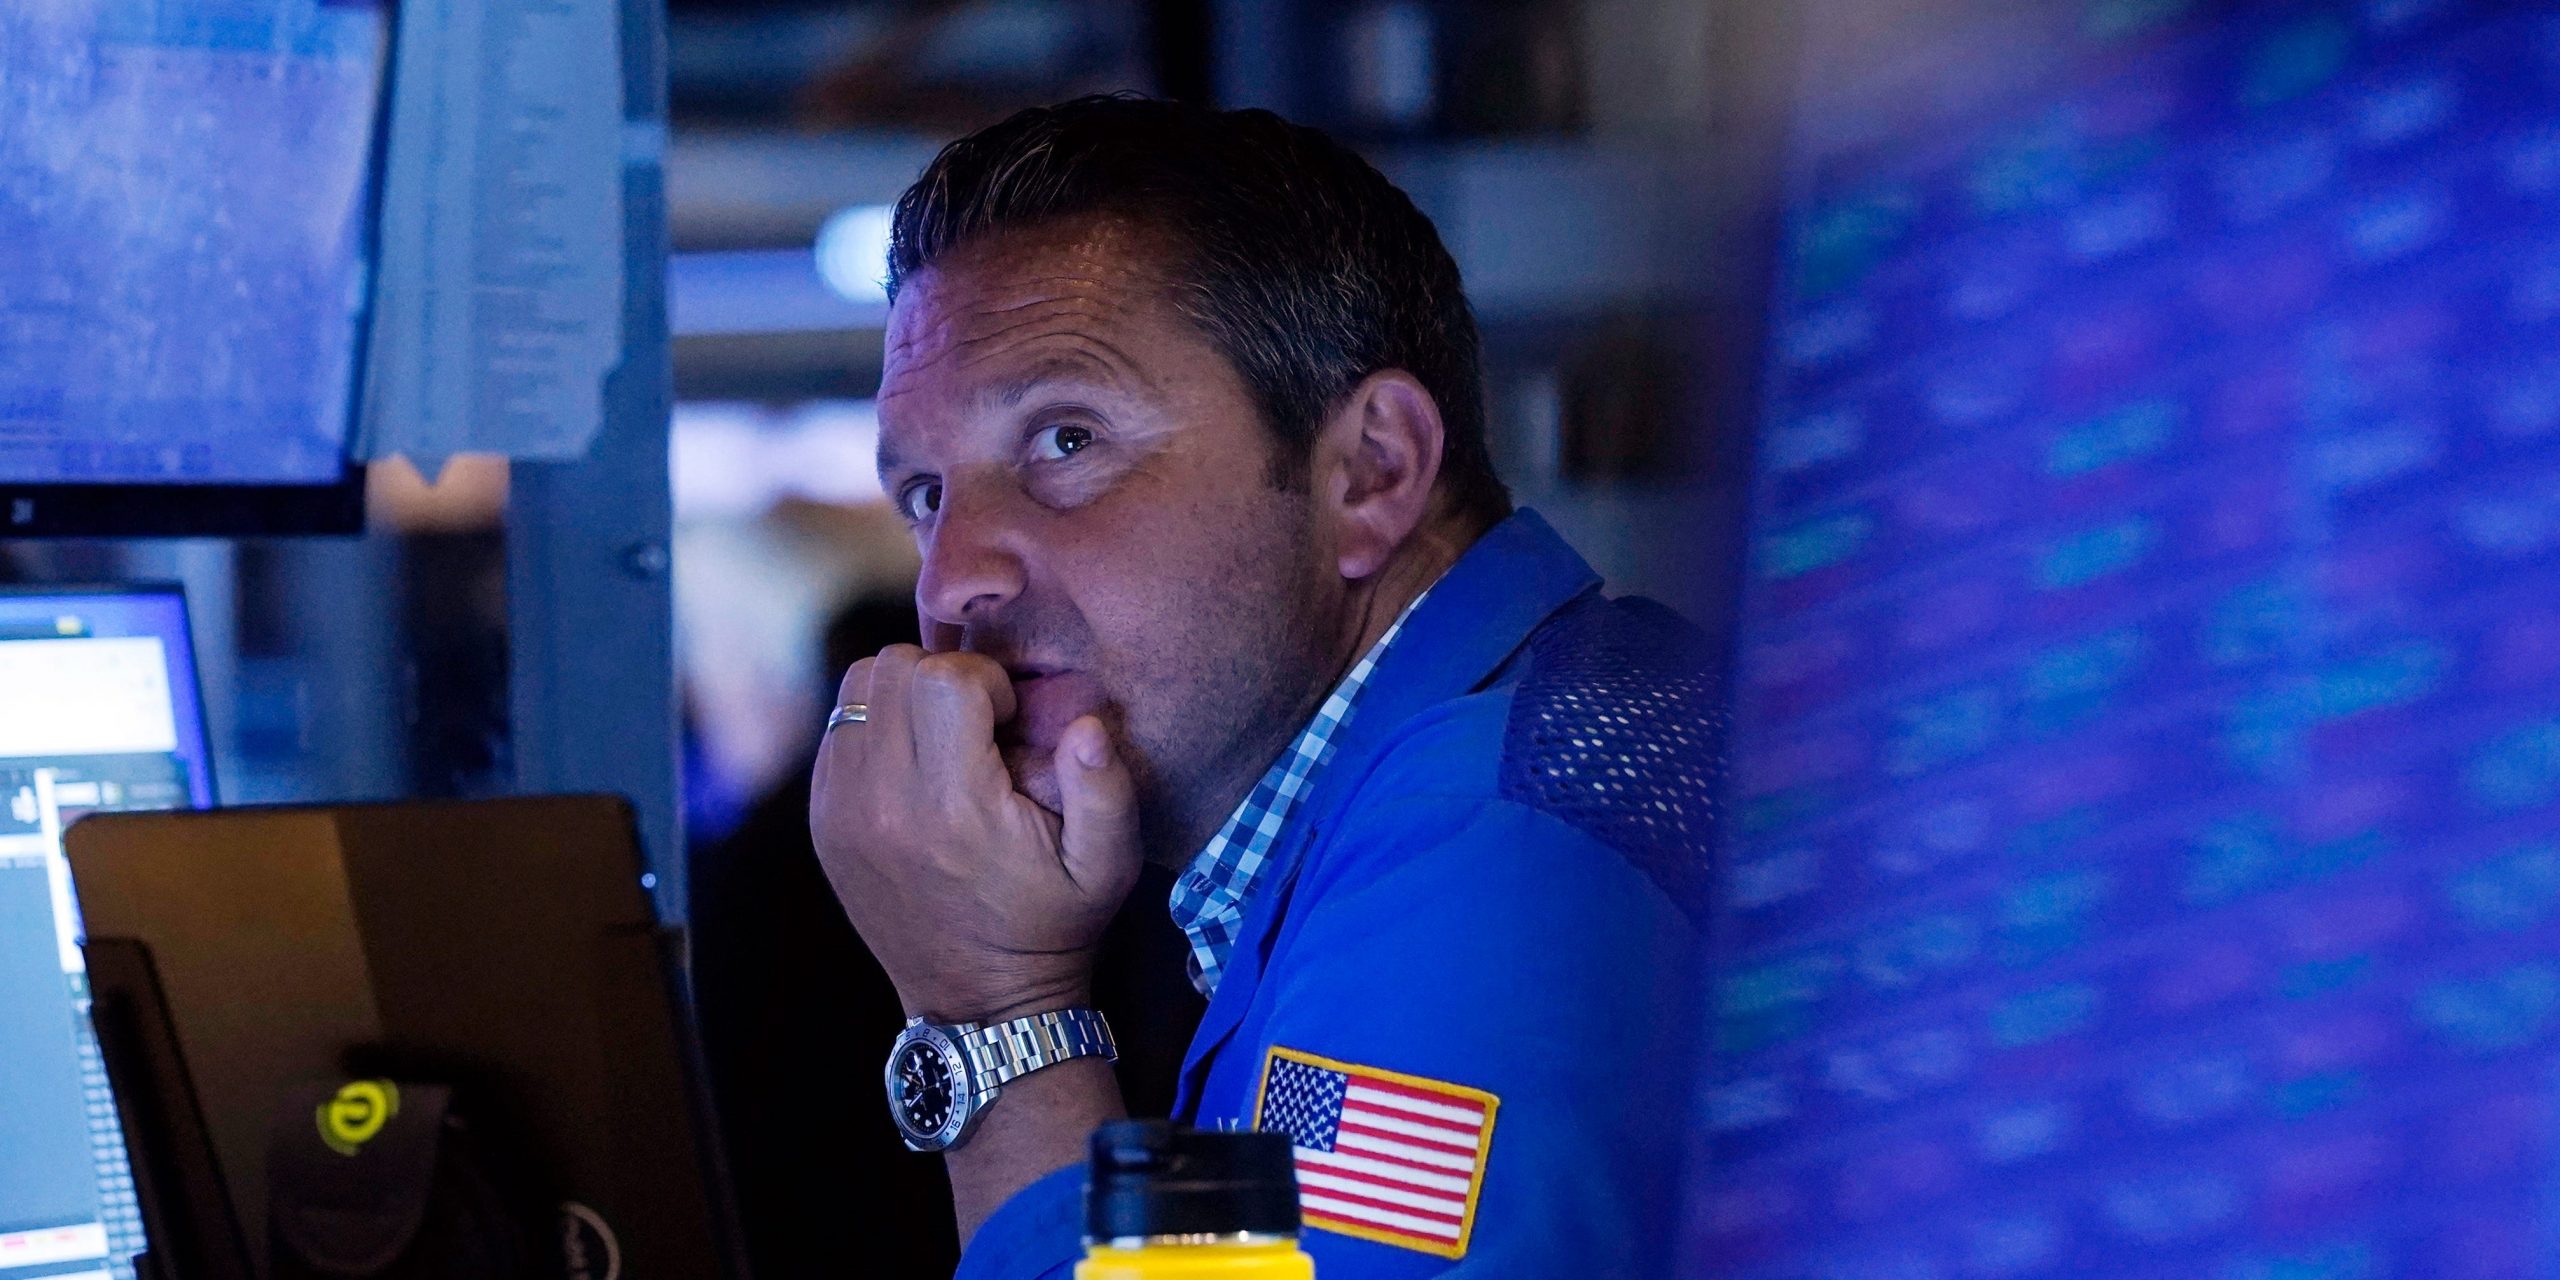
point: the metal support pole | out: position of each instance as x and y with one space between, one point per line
591 622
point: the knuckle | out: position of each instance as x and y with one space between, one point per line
893 822
955 667
890 664
858 676
947 676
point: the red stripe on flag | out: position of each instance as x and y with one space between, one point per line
1386 1206
1435 1170
1393 1184
1421 1129
1319 1218
1421 1095
1350 1125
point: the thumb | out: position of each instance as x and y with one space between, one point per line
1098 802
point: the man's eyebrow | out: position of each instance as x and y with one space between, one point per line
1071 367
886 459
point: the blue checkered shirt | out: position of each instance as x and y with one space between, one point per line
1208 899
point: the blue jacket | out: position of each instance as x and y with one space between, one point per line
1483 921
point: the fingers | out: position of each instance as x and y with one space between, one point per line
938 711
879 684
855 687
886 731
940 637
1098 801
956 700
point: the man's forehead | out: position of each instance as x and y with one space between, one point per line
998 335
1090 268
992 360
1078 303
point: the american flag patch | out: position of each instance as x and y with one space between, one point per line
1381 1155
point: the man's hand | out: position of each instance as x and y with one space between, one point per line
981 904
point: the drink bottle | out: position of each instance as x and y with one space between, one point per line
1163 1202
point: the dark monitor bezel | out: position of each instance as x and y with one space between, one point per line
182 510
46 509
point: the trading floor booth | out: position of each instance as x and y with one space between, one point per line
2136 467
253 248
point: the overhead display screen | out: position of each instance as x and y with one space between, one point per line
2148 696
184 221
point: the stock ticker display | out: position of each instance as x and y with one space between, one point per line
2146 854
183 237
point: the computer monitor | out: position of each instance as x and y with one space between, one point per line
2148 729
98 711
502 949
186 226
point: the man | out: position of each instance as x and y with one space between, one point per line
1186 412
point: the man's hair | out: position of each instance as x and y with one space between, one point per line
1299 261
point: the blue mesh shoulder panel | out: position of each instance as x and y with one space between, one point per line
1616 728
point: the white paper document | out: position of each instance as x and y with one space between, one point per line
499 286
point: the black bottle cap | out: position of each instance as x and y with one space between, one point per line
1153 1178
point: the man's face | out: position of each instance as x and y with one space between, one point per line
1089 484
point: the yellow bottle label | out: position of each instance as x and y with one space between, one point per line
1280 1261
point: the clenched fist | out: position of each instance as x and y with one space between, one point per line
979 902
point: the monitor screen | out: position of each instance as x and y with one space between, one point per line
2148 694
98 711
185 224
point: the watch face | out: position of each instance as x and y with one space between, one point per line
925 1090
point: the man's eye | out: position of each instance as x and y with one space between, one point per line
920 499
1057 442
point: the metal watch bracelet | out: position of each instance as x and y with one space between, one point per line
1007 1051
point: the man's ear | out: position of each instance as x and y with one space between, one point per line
1377 464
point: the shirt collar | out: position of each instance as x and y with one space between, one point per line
1476 617
1209 897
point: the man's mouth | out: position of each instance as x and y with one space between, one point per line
1046 700
1026 676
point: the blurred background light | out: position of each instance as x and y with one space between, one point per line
735 460
761 291
853 253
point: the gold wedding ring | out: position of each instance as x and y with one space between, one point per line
849 713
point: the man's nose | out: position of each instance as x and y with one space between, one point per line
971 563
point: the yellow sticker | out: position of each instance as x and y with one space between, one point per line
357 1113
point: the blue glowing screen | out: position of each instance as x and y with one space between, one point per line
2146 837
184 198
98 712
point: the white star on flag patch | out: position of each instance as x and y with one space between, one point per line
1381 1155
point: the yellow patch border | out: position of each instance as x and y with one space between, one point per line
1475 1183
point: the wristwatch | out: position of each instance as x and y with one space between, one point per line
943 1076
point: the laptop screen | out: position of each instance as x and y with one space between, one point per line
98 711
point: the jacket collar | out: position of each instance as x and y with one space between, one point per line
1458 639
1470 624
